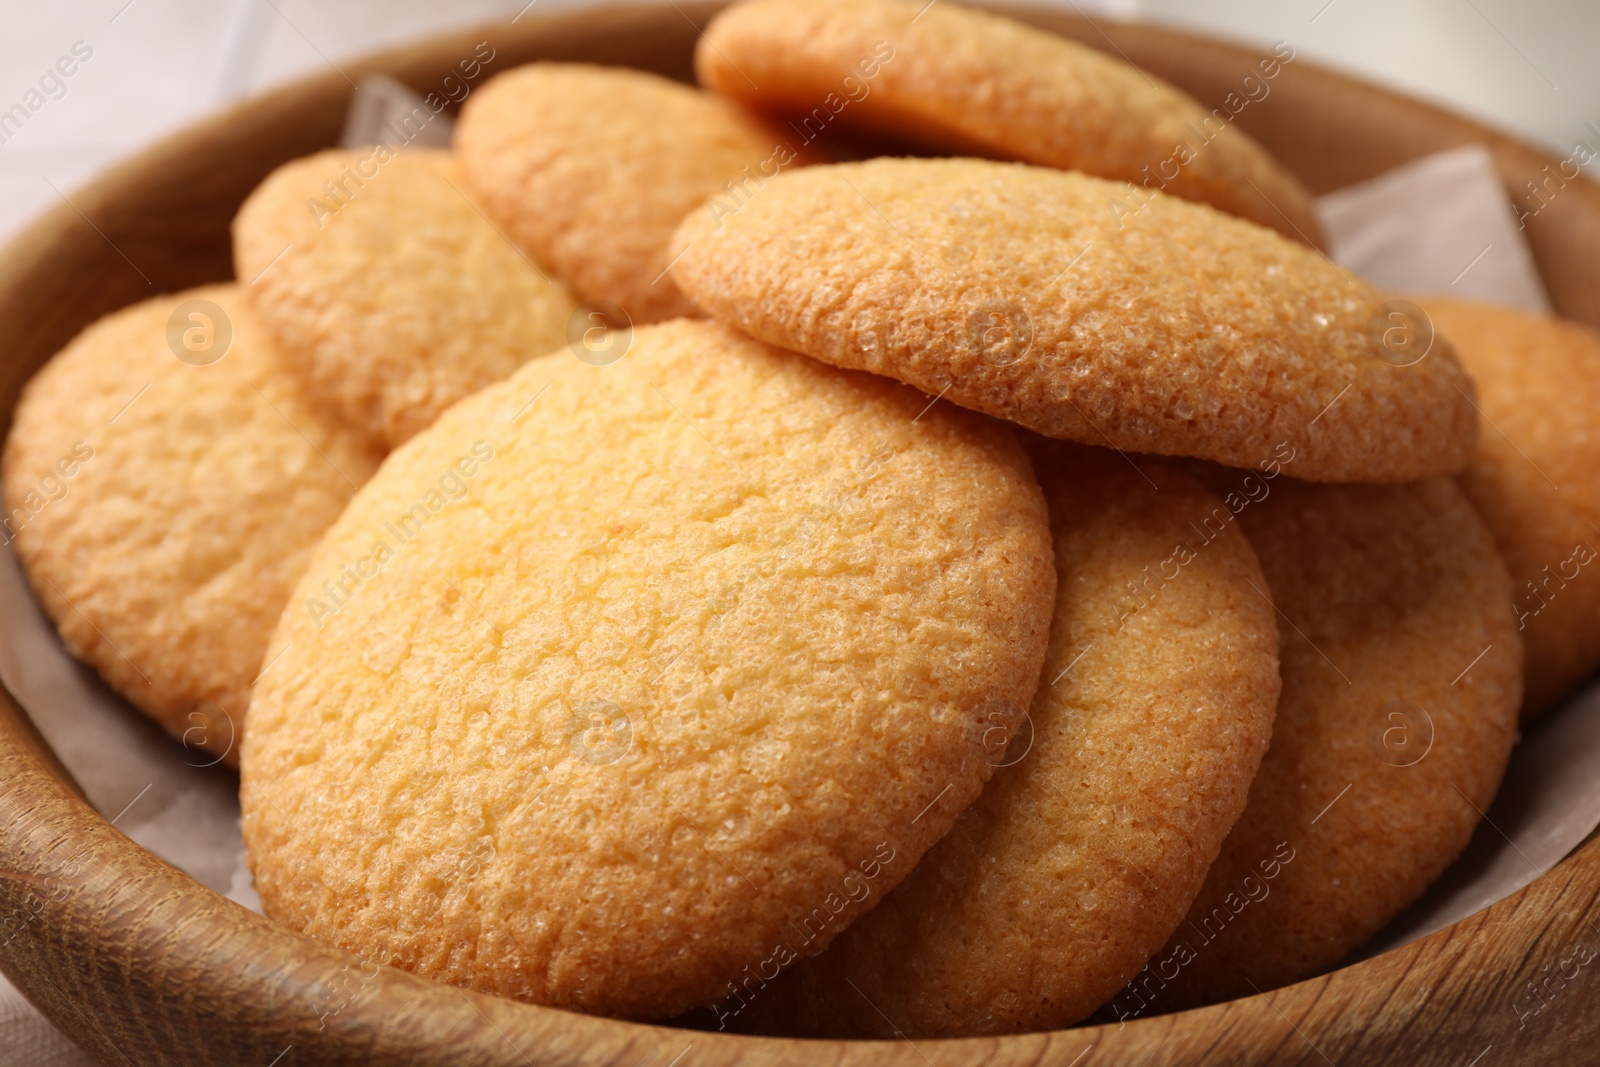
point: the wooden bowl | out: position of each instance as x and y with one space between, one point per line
142 965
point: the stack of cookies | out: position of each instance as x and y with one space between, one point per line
644 565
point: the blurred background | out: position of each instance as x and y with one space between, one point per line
145 67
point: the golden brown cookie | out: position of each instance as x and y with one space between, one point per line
390 292
592 168
1084 851
1536 478
966 82
1012 290
617 678
164 504
1402 672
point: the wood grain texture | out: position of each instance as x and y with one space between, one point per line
142 965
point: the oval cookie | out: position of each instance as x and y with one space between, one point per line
1536 479
1084 851
592 168
389 291
164 505
642 665
966 82
1013 290
1402 672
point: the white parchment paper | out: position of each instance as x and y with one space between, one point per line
1441 226
385 111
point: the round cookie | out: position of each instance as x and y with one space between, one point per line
966 82
390 292
639 665
164 506
1536 479
1402 672
1084 851
592 168
1013 290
